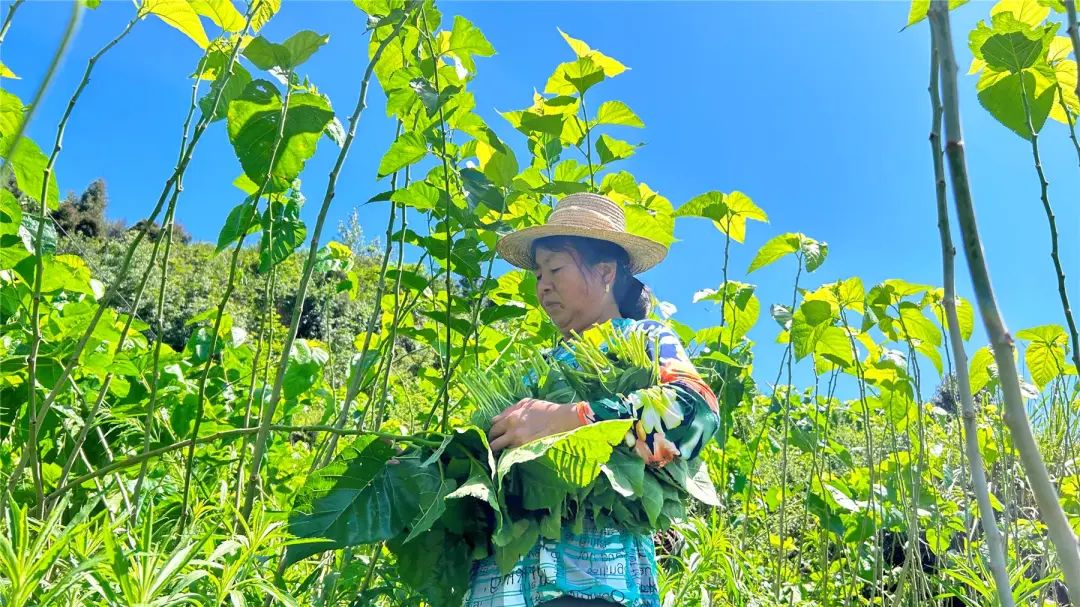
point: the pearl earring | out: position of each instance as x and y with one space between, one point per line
607 288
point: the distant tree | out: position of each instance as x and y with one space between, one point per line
85 214
153 231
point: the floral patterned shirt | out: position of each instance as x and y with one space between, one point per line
612 564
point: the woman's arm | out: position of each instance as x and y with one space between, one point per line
674 419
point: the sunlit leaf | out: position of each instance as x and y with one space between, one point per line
408 149
812 251
999 93
11 113
808 324
10 214
610 149
1014 49
282 233
741 309
264 10
1045 353
466 40
498 163
304 369
221 12
1031 12
242 220
254 120
181 15
574 77
610 67
285 56
651 216
982 369
616 113
28 164
919 8
568 459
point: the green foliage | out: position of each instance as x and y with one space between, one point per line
841 481
254 120
1025 75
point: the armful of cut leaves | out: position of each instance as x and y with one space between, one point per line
674 418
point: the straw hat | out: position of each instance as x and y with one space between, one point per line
589 215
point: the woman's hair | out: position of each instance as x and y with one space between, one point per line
631 295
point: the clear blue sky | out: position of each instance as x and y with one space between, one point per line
818 111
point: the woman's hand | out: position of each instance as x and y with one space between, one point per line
530 419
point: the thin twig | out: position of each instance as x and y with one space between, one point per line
7 20
228 434
1070 119
443 155
1044 185
267 413
125 265
230 284
159 321
376 313
29 454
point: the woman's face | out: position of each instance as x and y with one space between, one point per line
573 297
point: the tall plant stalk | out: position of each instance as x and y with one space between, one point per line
376 312
444 156
1051 221
159 321
265 328
383 388
125 265
872 507
1001 342
29 453
784 441
267 412
230 283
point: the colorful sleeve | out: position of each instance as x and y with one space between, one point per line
673 419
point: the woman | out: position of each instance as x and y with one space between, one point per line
584 261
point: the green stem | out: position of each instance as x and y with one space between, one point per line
125 265
449 205
263 329
159 312
1015 415
376 553
1044 185
376 313
88 421
381 399
871 465
230 284
230 434
29 453
784 449
7 20
267 413
1070 119
588 143
35 103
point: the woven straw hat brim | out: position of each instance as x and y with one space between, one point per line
643 252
